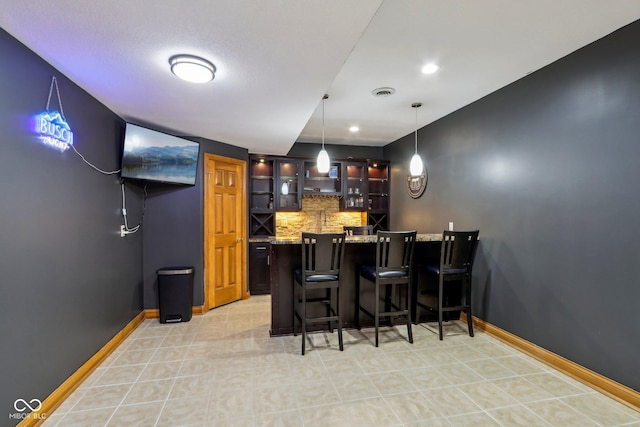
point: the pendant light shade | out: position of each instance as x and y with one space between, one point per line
323 161
416 167
323 157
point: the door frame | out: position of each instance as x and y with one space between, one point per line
244 294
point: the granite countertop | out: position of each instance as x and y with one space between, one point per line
296 240
260 239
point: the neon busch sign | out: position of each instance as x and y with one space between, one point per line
51 126
54 131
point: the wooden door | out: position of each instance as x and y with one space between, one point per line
225 231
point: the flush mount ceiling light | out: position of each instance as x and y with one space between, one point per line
354 129
192 68
430 68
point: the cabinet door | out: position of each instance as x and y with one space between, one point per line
322 184
259 275
288 185
378 175
261 196
355 191
378 197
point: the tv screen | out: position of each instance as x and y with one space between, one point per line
157 156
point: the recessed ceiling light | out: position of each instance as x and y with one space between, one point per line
354 129
192 68
430 69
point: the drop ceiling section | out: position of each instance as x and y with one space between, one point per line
275 59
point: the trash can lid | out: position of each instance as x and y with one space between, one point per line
168 271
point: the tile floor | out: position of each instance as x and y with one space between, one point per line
223 369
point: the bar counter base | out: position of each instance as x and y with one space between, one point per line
286 255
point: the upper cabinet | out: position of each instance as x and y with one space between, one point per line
261 197
288 185
279 183
355 190
378 201
324 184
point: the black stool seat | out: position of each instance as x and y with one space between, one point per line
435 269
315 277
369 273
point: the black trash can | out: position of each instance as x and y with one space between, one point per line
175 292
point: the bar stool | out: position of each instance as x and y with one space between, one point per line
358 230
392 274
456 263
322 255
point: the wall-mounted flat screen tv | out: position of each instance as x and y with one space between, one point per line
156 156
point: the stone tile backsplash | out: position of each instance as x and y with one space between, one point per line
319 214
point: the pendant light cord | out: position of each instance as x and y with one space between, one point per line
416 130
323 123
416 105
323 98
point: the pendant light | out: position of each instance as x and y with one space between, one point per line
416 167
323 157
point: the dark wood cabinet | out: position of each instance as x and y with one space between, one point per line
322 184
279 183
378 196
288 185
356 187
259 265
261 196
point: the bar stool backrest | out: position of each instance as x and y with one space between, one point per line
360 230
394 252
458 251
322 255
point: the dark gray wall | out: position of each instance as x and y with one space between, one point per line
547 169
173 232
305 149
68 282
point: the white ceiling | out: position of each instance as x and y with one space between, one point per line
277 58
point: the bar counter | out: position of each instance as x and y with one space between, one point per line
286 255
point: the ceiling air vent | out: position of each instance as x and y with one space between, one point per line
383 91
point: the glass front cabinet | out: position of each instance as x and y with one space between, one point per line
261 197
288 185
378 197
355 191
322 184
278 184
